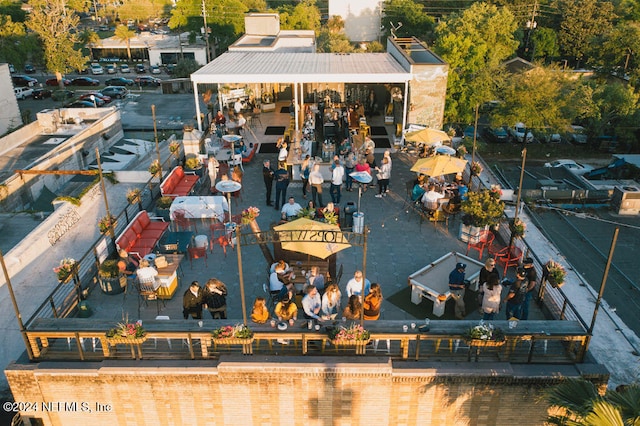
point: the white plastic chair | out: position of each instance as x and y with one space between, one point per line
236 160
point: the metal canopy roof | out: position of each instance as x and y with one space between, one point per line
273 67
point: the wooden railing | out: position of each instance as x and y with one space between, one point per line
529 342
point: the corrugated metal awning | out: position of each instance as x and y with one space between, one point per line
273 67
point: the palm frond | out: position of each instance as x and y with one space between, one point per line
604 413
576 396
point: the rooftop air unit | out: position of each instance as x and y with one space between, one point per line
626 200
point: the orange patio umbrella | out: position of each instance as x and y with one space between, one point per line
439 165
311 237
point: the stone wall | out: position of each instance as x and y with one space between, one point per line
288 390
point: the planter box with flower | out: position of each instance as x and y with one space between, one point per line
249 216
174 148
517 228
484 335
354 335
554 273
193 164
65 270
110 278
238 334
128 333
133 195
480 210
155 168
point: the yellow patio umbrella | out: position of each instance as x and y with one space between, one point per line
311 237
439 165
428 136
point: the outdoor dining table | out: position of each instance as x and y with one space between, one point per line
200 207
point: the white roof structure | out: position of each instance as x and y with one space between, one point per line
274 67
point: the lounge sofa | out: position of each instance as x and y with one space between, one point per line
178 183
141 235
247 159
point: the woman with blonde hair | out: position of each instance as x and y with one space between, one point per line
260 313
372 303
331 301
353 309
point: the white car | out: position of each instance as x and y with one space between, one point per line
96 68
572 166
124 68
517 132
23 92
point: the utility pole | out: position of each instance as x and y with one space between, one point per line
155 134
206 30
531 25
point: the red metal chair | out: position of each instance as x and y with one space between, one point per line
216 226
484 240
224 241
197 253
509 256
183 220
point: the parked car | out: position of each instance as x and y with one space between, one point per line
87 96
154 69
571 165
53 82
115 92
111 68
578 135
29 69
23 81
61 95
41 93
171 68
468 132
84 81
81 104
12 69
146 80
496 134
119 81
22 92
518 133
124 68
96 68
140 69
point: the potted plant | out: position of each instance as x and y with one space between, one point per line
163 206
307 213
554 273
110 279
105 223
476 168
64 271
126 332
330 218
154 168
249 216
193 163
174 148
133 195
517 227
480 210
238 334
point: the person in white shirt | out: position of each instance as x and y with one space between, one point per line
147 274
241 122
237 107
316 180
354 286
275 285
291 209
312 304
336 182
431 197
283 153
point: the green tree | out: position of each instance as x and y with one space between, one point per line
613 107
89 38
123 33
52 22
138 10
415 21
331 38
542 98
582 21
617 51
474 43
185 67
13 9
583 405
12 35
545 43
304 16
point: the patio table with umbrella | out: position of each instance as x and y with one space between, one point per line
439 165
427 136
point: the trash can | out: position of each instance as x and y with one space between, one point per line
349 210
358 222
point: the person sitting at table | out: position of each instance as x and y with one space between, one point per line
353 309
286 309
276 281
418 189
287 269
315 279
331 301
127 264
147 274
291 209
215 298
372 303
192 301
463 190
220 119
431 197
236 176
354 286
240 147
260 313
312 304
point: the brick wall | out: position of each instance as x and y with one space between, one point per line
287 391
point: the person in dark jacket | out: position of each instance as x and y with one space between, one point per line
282 182
215 298
192 301
268 174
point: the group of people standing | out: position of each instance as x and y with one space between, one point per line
212 297
516 301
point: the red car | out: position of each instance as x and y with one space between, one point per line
54 82
106 99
